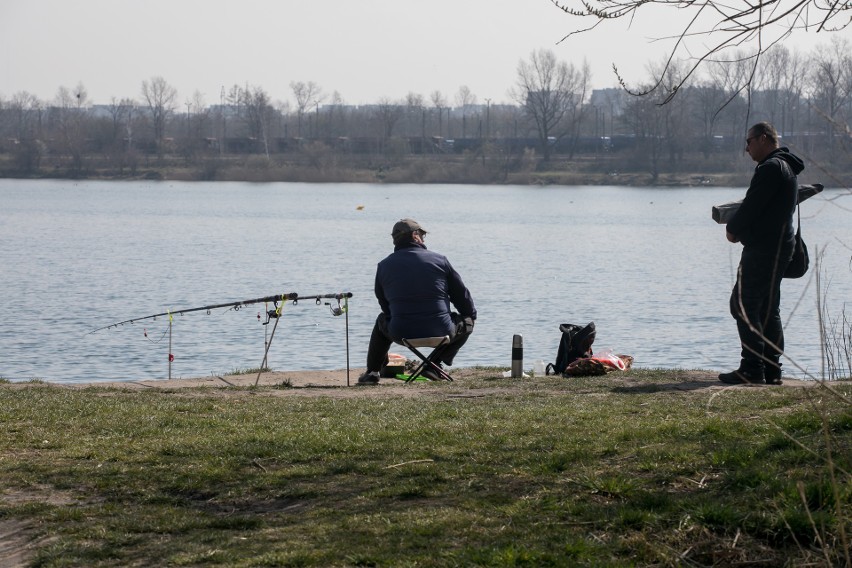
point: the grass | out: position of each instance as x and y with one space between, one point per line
481 472
249 371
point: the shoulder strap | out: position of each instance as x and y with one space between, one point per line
799 216
785 169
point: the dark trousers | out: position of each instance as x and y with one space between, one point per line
755 304
380 342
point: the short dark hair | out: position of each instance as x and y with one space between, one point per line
403 238
765 129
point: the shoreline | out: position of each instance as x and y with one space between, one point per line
333 382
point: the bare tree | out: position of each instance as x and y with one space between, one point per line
465 99
23 123
416 110
767 82
24 112
200 115
117 137
388 114
71 119
439 101
675 116
233 96
646 123
791 83
337 115
257 112
732 78
197 125
552 94
120 112
832 80
161 100
714 29
707 97
307 95
414 100
282 111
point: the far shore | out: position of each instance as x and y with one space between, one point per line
555 178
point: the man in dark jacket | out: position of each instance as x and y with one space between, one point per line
764 226
415 288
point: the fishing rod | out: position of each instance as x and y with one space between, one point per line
270 314
293 296
232 305
318 298
335 311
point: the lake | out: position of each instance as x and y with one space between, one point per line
647 265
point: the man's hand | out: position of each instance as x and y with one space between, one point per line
731 237
468 325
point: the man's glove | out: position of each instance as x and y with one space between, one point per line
468 325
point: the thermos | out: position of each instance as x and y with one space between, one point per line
517 356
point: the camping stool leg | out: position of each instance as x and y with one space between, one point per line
435 356
417 370
428 361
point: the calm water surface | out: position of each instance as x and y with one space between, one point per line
648 266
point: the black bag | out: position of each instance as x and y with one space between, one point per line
798 266
576 343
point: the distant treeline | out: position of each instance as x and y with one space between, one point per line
548 127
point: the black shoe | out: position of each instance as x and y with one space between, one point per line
368 379
742 377
431 374
772 372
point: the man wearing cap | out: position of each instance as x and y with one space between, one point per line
415 288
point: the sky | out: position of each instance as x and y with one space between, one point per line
364 50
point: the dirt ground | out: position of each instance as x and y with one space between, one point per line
335 383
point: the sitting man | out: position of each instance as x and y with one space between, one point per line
415 287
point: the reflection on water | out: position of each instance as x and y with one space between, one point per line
649 266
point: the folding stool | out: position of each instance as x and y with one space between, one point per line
427 362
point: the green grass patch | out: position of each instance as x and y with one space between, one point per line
483 471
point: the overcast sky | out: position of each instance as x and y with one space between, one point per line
365 50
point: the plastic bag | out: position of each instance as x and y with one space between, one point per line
607 357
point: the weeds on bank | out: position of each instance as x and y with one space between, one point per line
251 371
548 472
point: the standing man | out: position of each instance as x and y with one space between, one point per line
415 288
764 226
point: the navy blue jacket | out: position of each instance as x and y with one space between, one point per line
765 217
415 287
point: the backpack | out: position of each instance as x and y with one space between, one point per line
576 343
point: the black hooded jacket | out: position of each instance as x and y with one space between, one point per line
765 219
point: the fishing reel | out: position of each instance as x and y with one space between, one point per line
271 314
337 310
